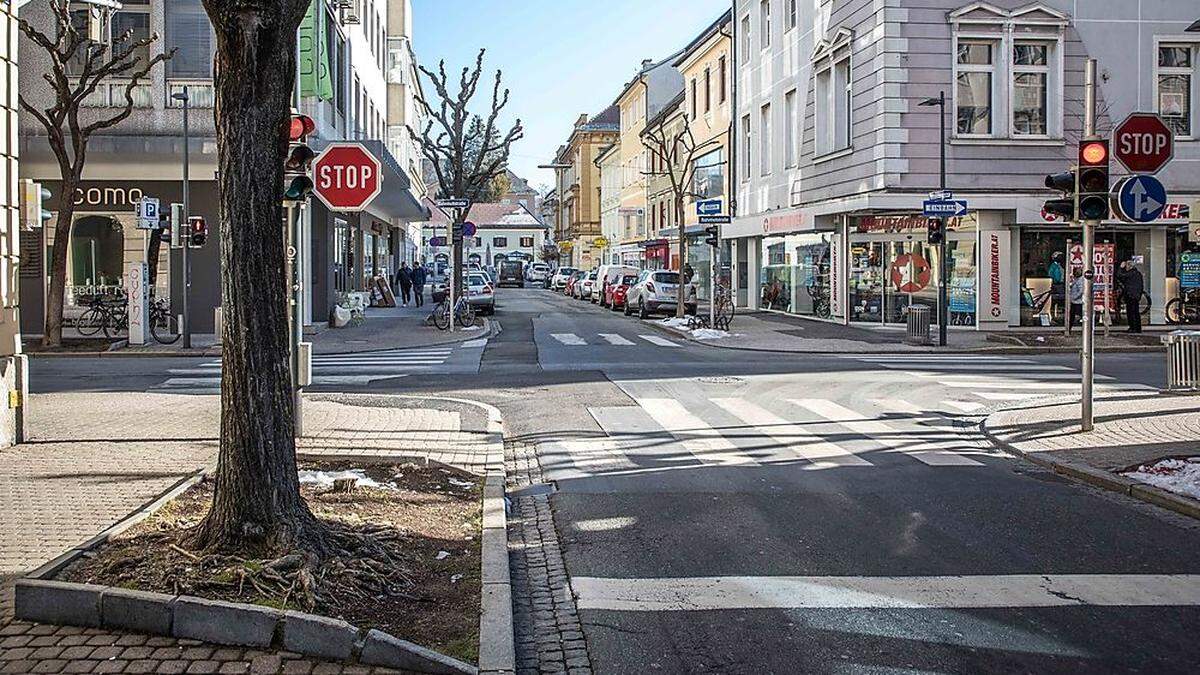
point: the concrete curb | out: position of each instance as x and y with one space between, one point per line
1095 477
38 598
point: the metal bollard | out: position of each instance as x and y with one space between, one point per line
1183 360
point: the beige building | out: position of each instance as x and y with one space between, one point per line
660 207
578 224
706 67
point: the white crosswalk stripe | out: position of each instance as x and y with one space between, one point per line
328 370
660 341
700 439
616 339
569 339
965 406
885 434
795 437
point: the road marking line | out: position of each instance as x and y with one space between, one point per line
989 368
906 442
795 437
993 396
481 342
700 439
1040 377
660 341
945 592
596 454
964 406
615 339
569 339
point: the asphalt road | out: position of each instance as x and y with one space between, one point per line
736 512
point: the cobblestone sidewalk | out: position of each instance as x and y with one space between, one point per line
88 466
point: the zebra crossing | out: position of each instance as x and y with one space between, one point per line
356 369
659 434
613 340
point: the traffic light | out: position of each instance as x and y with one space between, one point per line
1065 206
714 238
197 231
32 197
176 225
937 230
298 163
1093 183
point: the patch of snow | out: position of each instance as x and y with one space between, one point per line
1181 476
455 578
461 483
710 334
325 479
442 555
675 323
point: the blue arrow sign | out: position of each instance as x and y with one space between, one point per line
1142 199
708 207
945 207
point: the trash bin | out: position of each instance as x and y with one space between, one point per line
1183 360
919 317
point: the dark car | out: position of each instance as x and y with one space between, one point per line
512 273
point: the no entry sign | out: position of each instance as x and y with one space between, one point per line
347 177
1143 143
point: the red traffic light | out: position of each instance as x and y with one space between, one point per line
299 127
1093 153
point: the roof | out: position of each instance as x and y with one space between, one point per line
703 37
672 106
609 118
492 214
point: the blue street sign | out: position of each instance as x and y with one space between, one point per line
437 241
468 229
945 207
715 220
1141 199
708 207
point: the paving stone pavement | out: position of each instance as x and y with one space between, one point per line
549 637
88 466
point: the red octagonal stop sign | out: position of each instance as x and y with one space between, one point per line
347 177
1143 143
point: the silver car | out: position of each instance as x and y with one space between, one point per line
481 293
656 292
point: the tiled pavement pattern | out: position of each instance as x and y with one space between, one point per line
549 637
1128 430
95 458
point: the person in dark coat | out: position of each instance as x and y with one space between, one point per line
418 283
1132 287
404 281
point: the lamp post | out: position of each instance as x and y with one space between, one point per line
186 328
943 268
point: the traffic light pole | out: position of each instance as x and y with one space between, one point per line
186 328
943 268
1087 355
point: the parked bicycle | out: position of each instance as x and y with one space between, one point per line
1185 309
112 316
820 300
464 313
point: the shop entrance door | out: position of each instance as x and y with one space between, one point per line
866 281
911 279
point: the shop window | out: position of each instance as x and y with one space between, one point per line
794 274
1176 68
97 251
975 74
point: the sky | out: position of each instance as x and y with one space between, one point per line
560 58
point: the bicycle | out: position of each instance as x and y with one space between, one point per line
1184 309
820 301
96 316
164 326
463 311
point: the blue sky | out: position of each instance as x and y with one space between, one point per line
560 57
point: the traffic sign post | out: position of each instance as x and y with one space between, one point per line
348 177
709 207
1143 143
147 213
455 203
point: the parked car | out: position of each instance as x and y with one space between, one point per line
512 273
615 293
572 281
587 287
559 281
537 273
606 276
481 293
657 292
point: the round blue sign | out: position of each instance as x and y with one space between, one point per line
1142 199
468 229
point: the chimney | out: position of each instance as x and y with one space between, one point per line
646 63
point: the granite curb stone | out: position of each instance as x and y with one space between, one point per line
227 623
381 649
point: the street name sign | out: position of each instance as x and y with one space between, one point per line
709 207
715 220
1140 199
456 203
941 196
1143 143
946 207
348 177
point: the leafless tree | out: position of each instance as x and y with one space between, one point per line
257 504
78 67
674 155
465 156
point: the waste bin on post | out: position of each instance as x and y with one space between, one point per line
1183 360
919 317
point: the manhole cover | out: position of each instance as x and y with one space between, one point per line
719 380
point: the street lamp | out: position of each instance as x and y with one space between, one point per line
943 310
186 328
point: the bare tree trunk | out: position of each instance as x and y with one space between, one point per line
682 290
55 296
256 502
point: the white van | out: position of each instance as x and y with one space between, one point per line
607 277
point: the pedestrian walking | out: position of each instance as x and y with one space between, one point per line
1132 288
404 280
418 283
1057 284
1076 297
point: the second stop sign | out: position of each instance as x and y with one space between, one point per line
347 177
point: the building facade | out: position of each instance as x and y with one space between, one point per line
660 250
609 163
13 366
142 157
578 226
835 154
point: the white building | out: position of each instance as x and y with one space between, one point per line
611 184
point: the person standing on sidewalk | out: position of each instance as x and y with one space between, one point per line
404 279
418 283
1076 297
1132 288
1057 284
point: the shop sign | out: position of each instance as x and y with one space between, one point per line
993 294
790 222
911 273
909 223
1189 270
1104 257
836 276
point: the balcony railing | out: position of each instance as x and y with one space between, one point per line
200 93
112 95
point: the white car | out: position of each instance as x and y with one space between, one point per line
481 293
559 280
537 273
586 286
656 292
